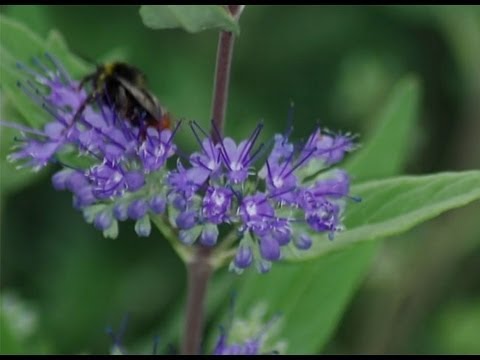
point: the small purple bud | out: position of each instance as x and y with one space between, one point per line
303 242
143 227
135 181
179 203
76 181
60 178
157 204
264 266
186 220
243 257
209 236
120 211
269 248
186 237
103 220
83 197
137 209
282 233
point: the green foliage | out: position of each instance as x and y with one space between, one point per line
18 326
457 327
191 18
386 150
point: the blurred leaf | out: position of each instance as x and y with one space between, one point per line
192 18
395 205
396 121
30 112
19 44
115 54
314 294
36 16
57 45
310 296
9 343
457 327
18 326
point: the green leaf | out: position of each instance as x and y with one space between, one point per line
314 294
455 327
385 150
192 18
311 296
395 205
19 44
19 326
56 44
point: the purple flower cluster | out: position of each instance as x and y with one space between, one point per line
292 196
123 172
228 190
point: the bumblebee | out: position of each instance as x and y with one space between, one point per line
123 86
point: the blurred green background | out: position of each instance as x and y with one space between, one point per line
338 64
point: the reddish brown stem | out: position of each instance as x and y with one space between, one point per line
198 272
226 41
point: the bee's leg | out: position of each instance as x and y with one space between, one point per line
84 80
82 106
122 102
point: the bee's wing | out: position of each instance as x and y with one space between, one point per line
147 100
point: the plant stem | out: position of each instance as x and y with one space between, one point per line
222 79
200 268
198 272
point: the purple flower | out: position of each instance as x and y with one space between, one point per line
107 179
256 211
208 161
237 159
324 217
36 153
282 150
282 183
156 149
330 148
216 204
184 182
